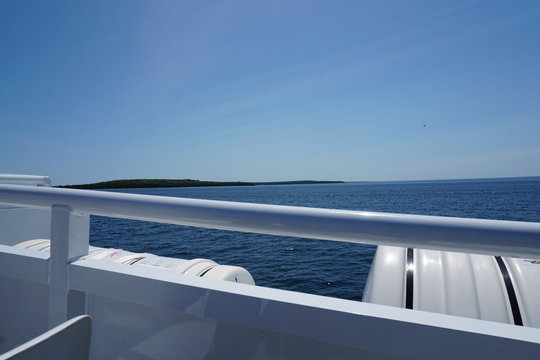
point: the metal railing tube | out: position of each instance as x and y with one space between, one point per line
25 179
494 237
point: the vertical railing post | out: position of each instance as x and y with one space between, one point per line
69 240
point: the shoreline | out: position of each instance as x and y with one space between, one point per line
164 183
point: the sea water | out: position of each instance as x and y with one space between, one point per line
313 266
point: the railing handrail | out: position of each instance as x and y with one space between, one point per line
494 237
25 179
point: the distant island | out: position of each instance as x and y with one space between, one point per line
159 183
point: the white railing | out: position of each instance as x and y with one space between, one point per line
509 238
25 179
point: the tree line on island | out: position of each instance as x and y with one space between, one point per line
157 183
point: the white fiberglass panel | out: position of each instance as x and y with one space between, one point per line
490 291
525 275
388 268
448 283
23 311
140 311
429 291
123 330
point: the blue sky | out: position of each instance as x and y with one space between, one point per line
270 90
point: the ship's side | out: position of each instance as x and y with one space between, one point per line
152 313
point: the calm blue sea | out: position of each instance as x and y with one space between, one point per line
312 266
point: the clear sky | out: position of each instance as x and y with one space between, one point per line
269 90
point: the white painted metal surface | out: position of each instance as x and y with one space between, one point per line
152 313
25 179
241 321
69 340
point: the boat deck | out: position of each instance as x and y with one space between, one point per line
143 313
